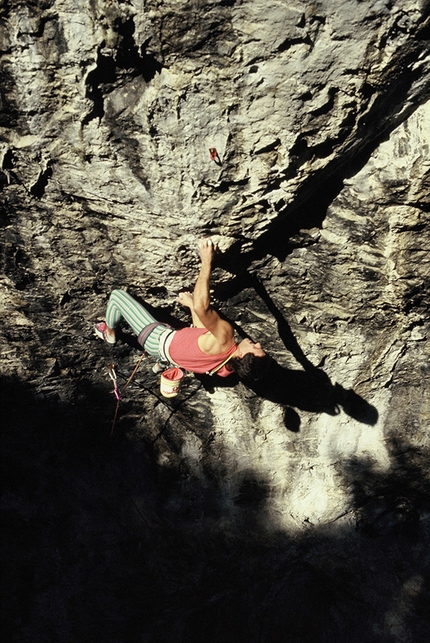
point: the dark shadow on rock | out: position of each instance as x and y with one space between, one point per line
285 333
252 492
391 502
128 338
66 553
312 391
291 420
103 542
212 382
355 406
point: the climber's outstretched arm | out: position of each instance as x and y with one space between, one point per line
221 329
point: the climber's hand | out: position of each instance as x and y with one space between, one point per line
186 299
207 250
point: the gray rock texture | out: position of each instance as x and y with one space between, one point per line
295 511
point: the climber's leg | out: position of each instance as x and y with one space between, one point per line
121 305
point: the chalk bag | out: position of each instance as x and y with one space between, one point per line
171 381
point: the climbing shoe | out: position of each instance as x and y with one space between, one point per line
100 330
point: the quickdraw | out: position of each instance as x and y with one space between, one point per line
113 377
117 392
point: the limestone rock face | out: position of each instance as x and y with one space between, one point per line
295 510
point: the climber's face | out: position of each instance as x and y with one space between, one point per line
247 346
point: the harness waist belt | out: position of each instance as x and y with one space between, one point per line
147 330
164 344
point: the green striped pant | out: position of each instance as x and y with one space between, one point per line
120 306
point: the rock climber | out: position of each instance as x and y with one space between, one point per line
208 346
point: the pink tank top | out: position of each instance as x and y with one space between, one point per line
185 351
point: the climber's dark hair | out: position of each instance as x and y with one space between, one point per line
251 367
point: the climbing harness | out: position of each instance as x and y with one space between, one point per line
143 336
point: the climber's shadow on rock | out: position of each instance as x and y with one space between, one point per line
312 391
309 389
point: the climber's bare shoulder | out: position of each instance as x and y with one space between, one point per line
220 335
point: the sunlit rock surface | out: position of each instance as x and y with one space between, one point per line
292 511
